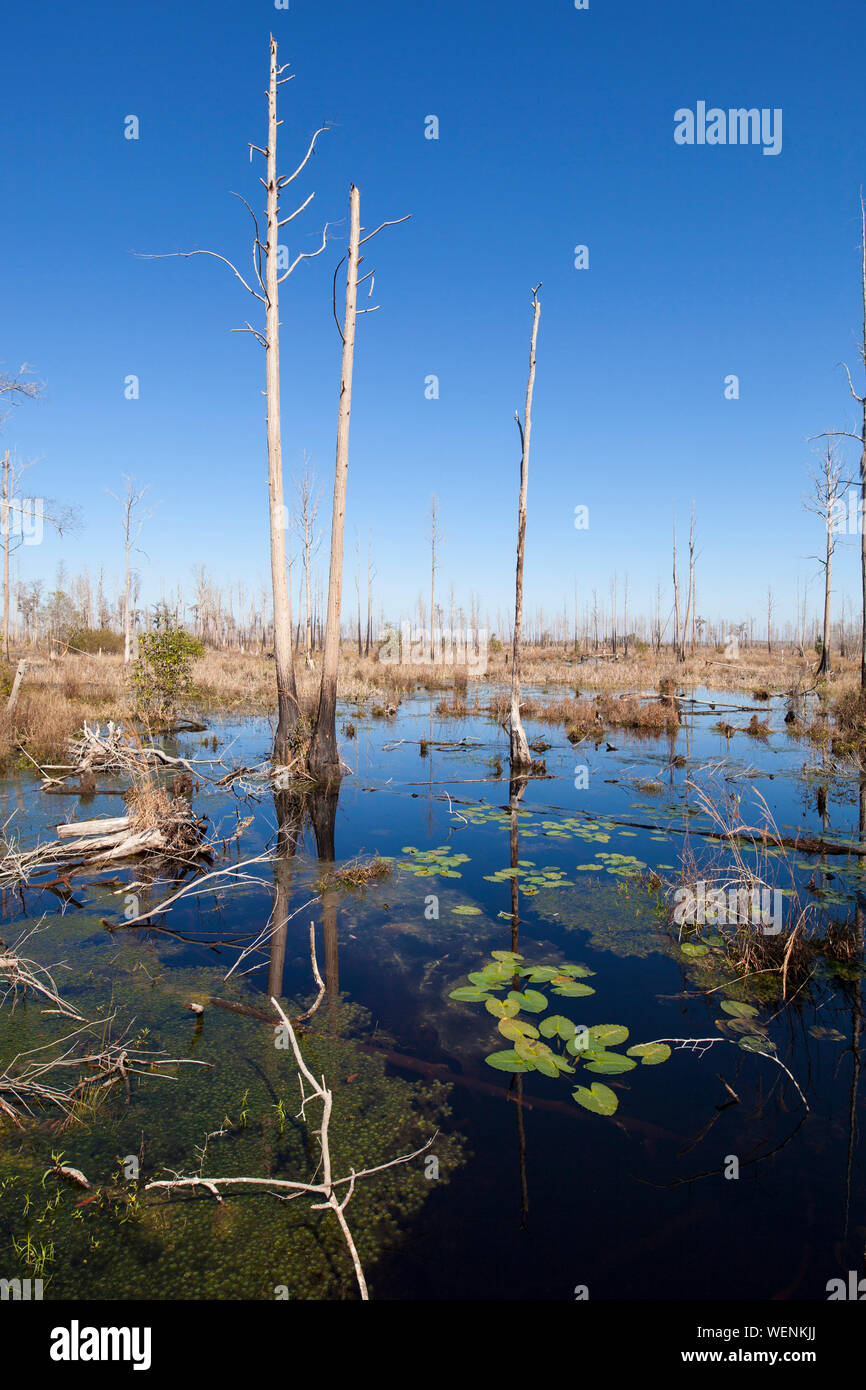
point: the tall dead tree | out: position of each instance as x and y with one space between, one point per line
823 501
434 539
613 613
371 574
12 390
689 617
132 521
861 440
8 488
323 757
358 588
17 515
625 618
770 606
265 261
678 652
520 755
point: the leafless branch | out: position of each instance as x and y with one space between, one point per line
395 223
286 179
185 255
326 1189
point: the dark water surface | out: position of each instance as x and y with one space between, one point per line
531 1195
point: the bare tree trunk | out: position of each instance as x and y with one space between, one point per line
433 580
520 755
288 710
308 632
824 666
862 400
827 483
769 620
369 641
7 503
324 758
613 614
127 625
625 619
16 686
308 626
676 601
358 591
689 613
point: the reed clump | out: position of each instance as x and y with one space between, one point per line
359 875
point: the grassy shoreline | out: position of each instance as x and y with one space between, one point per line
57 696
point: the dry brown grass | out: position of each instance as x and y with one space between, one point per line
57 696
584 718
755 868
755 669
359 875
51 708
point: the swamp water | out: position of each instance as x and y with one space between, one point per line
525 1192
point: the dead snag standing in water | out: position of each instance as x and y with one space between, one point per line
265 256
520 755
823 500
323 757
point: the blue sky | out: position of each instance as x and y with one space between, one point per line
556 129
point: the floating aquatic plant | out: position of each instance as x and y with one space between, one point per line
557 1045
441 862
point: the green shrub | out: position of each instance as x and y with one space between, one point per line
95 639
162 674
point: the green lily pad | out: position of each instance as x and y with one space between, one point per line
651 1054
738 1010
516 1028
555 1026
608 1034
507 1061
532 1000
502 1008
611 1063
539 1054
598 1098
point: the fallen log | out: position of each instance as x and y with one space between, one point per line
84 844
105 825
